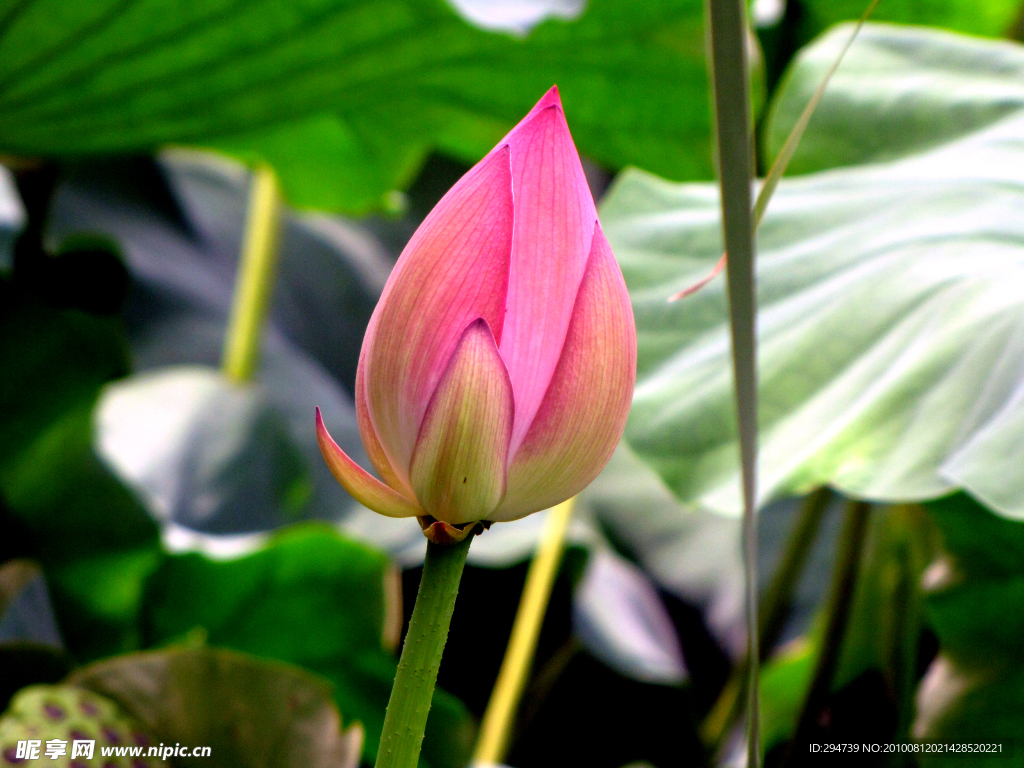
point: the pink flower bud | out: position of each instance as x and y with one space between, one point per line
498 367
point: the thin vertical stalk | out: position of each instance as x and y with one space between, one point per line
254 283
778 599
777 602
908 551
496 728
735 142
544 680
844 582
406 718
906 619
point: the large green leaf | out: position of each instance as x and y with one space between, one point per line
346 96
993 18
898 90
974 690
309 597
891 326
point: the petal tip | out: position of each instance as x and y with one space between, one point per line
361 485
550 103
551 98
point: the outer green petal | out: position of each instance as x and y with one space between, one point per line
458 465
584 410
364 487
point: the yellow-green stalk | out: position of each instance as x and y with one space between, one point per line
496 728
255 281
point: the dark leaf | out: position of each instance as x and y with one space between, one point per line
250 712
973 596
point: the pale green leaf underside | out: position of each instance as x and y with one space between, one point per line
344 97
891 325
898 90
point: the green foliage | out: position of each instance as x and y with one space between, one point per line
899 90
885 297
309 597
993 18
345 97
785 680
97 599
883 634
891 331
54 362
974 691
58 478
687 549
252 713
886 618
94 539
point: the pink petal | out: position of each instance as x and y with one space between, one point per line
554 225
453 271
458 466
584 411
374 450
550 99
364 487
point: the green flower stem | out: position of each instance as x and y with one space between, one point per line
727 34
406 717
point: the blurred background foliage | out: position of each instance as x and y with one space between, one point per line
345 99
148 505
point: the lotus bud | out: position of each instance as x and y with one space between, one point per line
497 369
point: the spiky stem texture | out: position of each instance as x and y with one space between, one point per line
406 717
